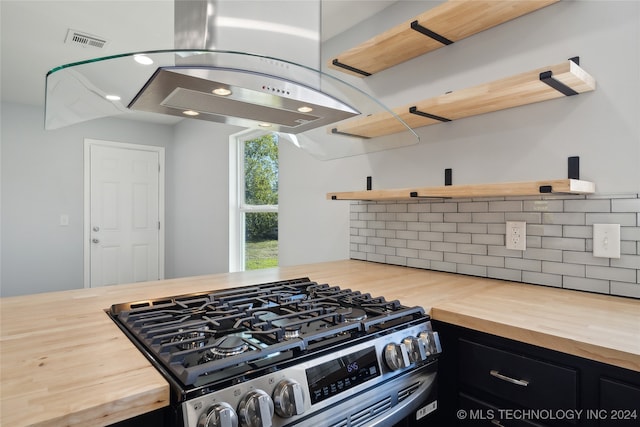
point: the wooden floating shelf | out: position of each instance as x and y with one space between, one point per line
442 25
528 188
542 84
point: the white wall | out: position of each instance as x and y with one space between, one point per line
198 218
42 178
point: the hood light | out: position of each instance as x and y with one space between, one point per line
222 91
112 97
143 59
305 109
265 125
190 113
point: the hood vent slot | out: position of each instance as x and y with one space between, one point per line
79 38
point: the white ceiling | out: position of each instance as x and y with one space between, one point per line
33 34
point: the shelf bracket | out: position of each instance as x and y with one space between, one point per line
547 77
573 166
548 189
353 135
414 110
415 195
349 67
427 32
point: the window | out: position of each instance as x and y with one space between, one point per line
254 217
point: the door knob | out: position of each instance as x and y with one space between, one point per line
95 240
96 228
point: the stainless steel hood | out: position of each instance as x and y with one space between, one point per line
248 63
240 98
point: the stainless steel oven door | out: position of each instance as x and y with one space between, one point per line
409 399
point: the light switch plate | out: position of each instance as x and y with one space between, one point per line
606 240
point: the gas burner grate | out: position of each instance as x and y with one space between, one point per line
184 333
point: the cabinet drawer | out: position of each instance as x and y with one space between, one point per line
477 413
524 381
620 404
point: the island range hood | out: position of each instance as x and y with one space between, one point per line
246 63
232 94
239 97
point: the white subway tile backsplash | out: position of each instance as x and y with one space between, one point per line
569 218
565 269
419 207
457 217
396 260
625 289
627 261
542 279
506 206
472 270
419 244
472 249
467 236
523 264
444 207
585 231
543 206
585 284
588 205
444 266
431 217
443 246
444 227
487 239
473 207
457 237
457 258
625 205
473 228
543 254
431 255
624 219
611 273
482 217
563 243
504 274
419 263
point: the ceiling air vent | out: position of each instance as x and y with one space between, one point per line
83 39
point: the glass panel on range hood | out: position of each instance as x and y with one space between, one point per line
266 93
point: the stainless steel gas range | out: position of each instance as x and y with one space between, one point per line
288 353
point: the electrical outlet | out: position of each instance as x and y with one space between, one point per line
606 240
516 235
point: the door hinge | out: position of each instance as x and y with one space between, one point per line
158 225
158 167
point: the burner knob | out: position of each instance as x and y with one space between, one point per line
219 415
430 342
415 349
256 409
396 356
288 398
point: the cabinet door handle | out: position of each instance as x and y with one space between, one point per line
498 375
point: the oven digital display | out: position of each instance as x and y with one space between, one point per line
333 377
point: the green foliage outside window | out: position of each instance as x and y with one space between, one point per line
261 186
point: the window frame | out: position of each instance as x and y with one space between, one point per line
238 207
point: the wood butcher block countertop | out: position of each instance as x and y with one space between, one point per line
65 363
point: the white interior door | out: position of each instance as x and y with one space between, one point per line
124 224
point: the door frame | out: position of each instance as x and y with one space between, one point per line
88 143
